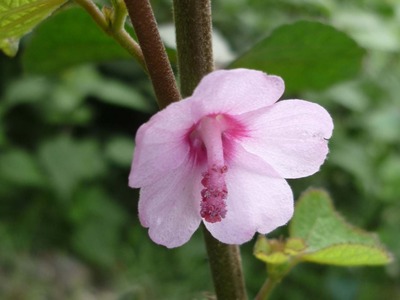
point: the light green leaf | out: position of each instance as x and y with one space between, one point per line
308 55
20 17
349 255
329 239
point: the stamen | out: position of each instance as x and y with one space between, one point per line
213 205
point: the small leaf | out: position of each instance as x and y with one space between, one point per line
20 17
273 251
294 246
308 55
329 239
63 37
268 251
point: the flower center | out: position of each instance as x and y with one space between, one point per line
213 206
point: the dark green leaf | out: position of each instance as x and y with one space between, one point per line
69 38
308 55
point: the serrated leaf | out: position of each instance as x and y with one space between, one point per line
307 54
62 36
329 239
19 17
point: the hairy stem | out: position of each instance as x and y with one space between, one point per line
118 33
195 59
226 268
158 65
194 42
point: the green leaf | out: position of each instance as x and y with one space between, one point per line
329 239
20 17
69 162
20 168
119 150
85 81
308 55
72 38
98 221
349 255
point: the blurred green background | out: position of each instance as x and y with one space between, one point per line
69 109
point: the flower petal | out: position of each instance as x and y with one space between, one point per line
291 136
258 200
160 144
237 91
170 207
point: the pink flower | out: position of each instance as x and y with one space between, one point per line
221 156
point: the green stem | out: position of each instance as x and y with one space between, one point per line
226 268
117 32
276 273
119 15
158 65
195 59
267 288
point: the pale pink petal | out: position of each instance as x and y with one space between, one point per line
292 136
259 200
237 91
170 207
160 145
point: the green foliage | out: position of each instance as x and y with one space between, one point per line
98 222
119 150
69 162
328 238
308 55
19 168
318 234
91 113
19 17
62 36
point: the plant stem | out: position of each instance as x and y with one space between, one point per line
155 56
226 268
116 32
195 59
266 289
194 42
